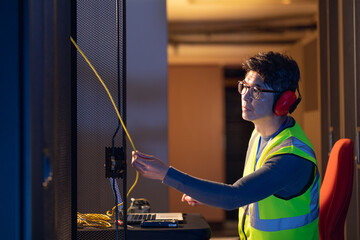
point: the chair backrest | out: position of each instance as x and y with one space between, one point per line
336 190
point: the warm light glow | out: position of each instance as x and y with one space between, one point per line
223 10
286 2
218 1
222 2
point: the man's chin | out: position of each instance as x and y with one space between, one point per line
246 117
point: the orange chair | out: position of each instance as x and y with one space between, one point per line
336 189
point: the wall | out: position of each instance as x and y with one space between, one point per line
147 94
340 89
308 111
196 129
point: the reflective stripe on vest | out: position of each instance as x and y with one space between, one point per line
271 225
293 141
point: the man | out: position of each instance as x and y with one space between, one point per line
278 194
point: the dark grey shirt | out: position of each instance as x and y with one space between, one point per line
284 176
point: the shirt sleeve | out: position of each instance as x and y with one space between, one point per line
283 175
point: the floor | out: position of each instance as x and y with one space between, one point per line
224 231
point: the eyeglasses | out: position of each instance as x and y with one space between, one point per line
254 91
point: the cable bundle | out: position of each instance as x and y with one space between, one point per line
93 220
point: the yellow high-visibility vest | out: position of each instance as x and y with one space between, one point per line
273 217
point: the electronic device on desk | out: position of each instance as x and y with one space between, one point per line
139 212
140 217
139 205
165 223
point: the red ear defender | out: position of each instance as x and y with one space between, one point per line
285 102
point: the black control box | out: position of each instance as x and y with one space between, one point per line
114 162
163 223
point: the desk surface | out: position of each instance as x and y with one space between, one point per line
194 227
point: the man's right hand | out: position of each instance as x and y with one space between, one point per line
149 166
190 200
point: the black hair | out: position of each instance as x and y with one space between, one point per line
277 70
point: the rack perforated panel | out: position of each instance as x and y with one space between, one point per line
97 121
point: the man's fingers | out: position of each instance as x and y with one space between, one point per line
183 197
138 166
192 202
136 154
143 155
138 159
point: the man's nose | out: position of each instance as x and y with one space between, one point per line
247 95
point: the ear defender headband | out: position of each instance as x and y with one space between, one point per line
286 102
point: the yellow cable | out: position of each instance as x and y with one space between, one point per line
93 220
117 112
102 82
113 209
136 180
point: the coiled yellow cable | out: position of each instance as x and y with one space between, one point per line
100 217
93 220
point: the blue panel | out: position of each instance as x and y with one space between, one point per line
10 120
26 161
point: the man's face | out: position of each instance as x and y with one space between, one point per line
256 110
